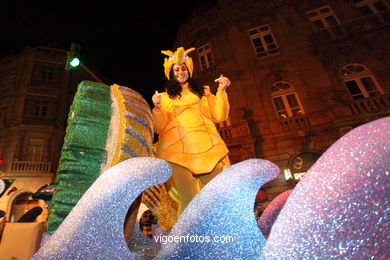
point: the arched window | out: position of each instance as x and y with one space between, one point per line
359 81
285 100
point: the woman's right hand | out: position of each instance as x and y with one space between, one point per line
156 100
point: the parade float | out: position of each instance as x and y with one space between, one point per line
340 208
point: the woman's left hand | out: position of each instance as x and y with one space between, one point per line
223 81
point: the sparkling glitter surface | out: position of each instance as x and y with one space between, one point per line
272 211
340 209
222 210
94 228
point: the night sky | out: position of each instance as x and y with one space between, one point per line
123 43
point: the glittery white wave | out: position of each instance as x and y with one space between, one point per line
341 207
223 210
94 228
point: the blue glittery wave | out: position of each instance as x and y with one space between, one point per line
138 107
86 233
138 137
223 209
141 121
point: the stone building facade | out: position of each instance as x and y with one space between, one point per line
35 95
303 74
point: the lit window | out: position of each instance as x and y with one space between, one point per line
359 81
285 100
263 41
206 58
325 20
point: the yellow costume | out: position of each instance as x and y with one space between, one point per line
188 138
187 134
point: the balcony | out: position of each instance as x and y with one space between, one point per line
239 140
229 133
291 123
30 167
374 104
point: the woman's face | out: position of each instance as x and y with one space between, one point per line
180 73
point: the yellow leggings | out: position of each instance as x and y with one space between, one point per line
184 185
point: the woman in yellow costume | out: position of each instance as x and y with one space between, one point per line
184 118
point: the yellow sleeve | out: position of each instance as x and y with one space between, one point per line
159 116
218 105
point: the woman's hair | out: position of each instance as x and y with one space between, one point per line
173 87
